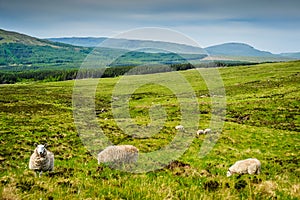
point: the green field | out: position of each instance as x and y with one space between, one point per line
262 121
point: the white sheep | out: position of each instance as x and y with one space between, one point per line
118 154
248 166
41 160
200 132
206 131
179 127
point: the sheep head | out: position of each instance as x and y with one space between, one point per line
41 150
229 173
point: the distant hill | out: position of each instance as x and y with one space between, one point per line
228 51
20 52
139 45
237 49
79 41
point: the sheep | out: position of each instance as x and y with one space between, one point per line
41 160
118 155
179 127
200 132
248 166
206 131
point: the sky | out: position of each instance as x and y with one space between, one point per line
270 25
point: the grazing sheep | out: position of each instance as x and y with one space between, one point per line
207 131
41 160
200 132
179 127
119 154
248 166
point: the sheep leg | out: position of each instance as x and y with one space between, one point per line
252 169
258 170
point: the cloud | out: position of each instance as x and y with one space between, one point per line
98 17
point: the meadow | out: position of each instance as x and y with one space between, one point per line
262 121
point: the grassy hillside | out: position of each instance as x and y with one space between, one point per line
14 37
262 121
19 52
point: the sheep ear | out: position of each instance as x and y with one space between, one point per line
45 145
35 144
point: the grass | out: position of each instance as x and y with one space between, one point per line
262 121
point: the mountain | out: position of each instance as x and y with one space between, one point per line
10 37
237 49
20 52
139 45
228 51
79 41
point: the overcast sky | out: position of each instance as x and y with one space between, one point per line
271 25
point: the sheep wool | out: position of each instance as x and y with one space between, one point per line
118 154
41 160
248 166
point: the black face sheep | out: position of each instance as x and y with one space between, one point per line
41 160
248 166
118 155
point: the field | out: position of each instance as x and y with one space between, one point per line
262 121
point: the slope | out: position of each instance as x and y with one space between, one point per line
22 52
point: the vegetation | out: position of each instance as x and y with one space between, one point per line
49 74
262 121
22 62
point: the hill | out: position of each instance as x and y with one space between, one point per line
19 52
237 49
132 45
79 41
14 37
222 52
22 52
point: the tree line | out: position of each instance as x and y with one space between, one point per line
47 75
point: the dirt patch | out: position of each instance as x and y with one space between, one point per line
241 184
177 164
211 185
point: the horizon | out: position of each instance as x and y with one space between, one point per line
273 28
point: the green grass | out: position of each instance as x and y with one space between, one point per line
262 121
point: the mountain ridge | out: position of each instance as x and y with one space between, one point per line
81 46
231 49
236 49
